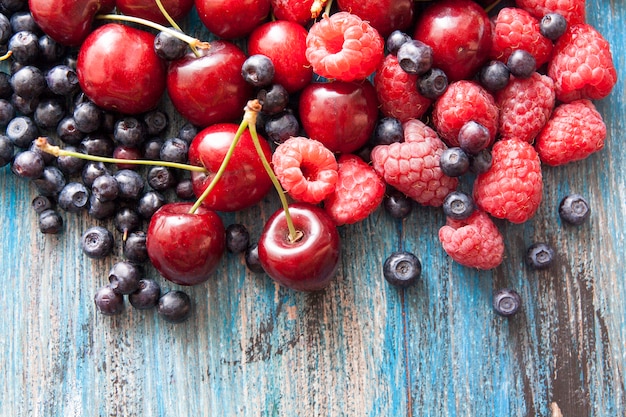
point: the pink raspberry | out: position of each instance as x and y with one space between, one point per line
512 188
305 168
462 102
397 91
525 106
412 166
572 10
358 193
582 65
514 29
474 242
344 47
575 131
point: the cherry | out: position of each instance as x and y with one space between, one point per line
230 19
243 183
459 32
67 21
341 115
307 263
298 11
284 42
146 9
185 247
118 69
209 88
384 15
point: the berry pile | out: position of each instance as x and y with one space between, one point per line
364 105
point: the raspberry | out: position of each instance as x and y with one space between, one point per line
575 131
359 191
572 10
475 242
512 188
525 106
464 101
344 47
397 92
412 167
582 65
306 169
517 29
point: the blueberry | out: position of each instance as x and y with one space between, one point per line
7 112
281 126
50 222
92 170
539 255
433 83
395 40
5 83
99 209
74 197
553 26
184 189
458 205
187 132
521 63
129 131
454 162
415 57
108 302
494 76
22 131
50 51
237 238
68 132
50 182
481 162
168 47
124 277
135 247
149 203
28 164
473 137
274 99
151 148
397 204
402 269
70 165
127 220
24 105
174 306
388 130
23 20
48 113
97 242
87 117
253 262
258 70
24 45
174 150
146 296
155 122
574 209
62 80
41 203
506 302
161 178
98 144
105 187
5 29
6 150
131 184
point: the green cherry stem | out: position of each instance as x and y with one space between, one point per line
173 23
43 144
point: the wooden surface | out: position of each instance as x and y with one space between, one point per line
362 348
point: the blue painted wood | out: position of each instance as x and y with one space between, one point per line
361 348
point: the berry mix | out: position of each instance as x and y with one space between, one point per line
344 108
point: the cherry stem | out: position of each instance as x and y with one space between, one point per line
251 115
317 6
6 56
491 6
192 42
174 24
43 144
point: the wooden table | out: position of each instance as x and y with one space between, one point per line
362 348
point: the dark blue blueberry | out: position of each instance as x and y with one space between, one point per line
41 203
124 277
481 162
494 76
237 238
97 242
506 302
50 222
174 150
92 170
68 132
151 148
28 164
6 150
168 47
281 127
415 57
28 82
49 113
108 302
574 209
253 263
539 255
127 220
454 162
5 29
146 296
274 99
70 165
131 184
7 112
388 130
473 137
553 26
129 131
187 132
24 46
62 80
11 6
24 105
395 40
97 143
74 197
50 182
184 189
175 306
149 203
155 122
135 247
258 70
5 85
101 210
521 63
161 178
87 117
433 83
22 131
105 187
23 21
402 269
458 205
50 51
397 204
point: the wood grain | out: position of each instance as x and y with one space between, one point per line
361 348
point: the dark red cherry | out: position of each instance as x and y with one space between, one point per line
147 9
185 248
230 19
308 264
119 71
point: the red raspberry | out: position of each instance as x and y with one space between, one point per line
397 91
517 29
475 242
572 10
464 101
359 191
344 47
412 166
512 188
306 169
582 65
575 131
525 106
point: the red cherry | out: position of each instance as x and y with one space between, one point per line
119 71
384 15
230 19
459 32
308 264
126 152
298 11
185 248
147 9
284 43
245 181
209 89
67 21
341 115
